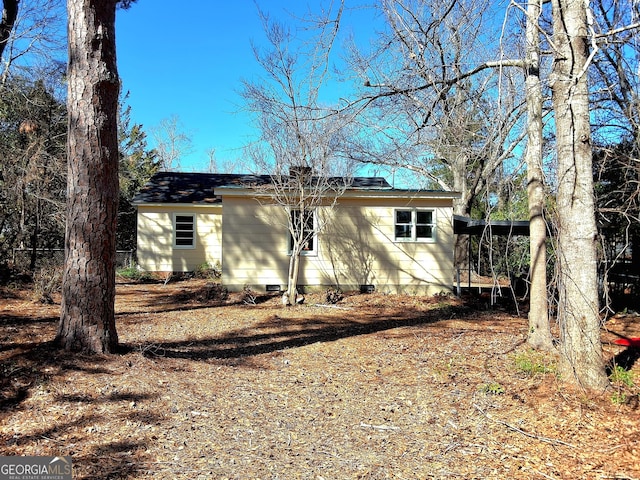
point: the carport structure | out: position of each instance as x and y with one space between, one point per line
479 228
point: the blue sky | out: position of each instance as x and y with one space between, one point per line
187 61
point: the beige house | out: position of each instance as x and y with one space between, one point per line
376 236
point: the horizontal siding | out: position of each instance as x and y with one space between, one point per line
155 239
254 243
356 247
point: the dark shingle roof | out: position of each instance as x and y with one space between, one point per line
179 187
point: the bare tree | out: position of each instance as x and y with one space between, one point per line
436 102
615 113
300 140
463 115
539 325
87 320
615 45
30 39
573 47
171 143
578 309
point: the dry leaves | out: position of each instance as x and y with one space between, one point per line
381 387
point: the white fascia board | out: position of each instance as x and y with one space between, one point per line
181 205
355 193
425 194
239 192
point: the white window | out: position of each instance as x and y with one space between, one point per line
184 231
414 225
305 230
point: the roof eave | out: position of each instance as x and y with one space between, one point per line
177 204
351 193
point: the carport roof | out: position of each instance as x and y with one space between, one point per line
467 226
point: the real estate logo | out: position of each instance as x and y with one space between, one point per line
35 468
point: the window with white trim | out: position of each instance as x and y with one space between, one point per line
184 230
414 225
307 229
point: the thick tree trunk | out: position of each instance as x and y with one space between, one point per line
8 16
578 312
87 320
539 328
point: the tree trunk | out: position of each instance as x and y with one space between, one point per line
87 320
461 206
294 269
34 237
9 14
539 328
296 229
581 359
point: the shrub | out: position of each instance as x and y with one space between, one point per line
493 388
533 363
131 273
622 376
333 295
249 297
208 271
212 292
623 382
134 273
46 282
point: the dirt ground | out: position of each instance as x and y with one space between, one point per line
372 387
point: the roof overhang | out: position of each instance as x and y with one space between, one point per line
179 205
467 226
349 193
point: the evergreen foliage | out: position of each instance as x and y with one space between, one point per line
33 171
32 167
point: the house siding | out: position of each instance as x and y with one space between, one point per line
155 250
254 244
355 247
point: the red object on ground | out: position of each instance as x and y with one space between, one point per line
628 342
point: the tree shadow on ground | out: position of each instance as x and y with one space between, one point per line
35 364
276 333
625 359
119 460
211 295
31 371
21 320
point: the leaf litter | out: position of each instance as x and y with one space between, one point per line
383 386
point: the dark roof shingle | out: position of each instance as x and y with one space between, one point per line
180 187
